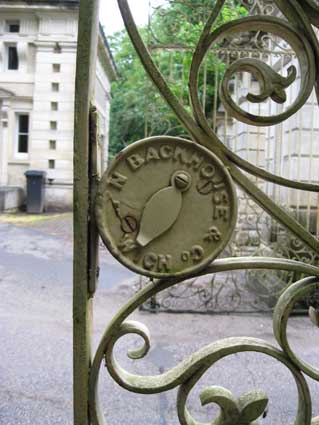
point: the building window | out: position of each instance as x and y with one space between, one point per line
51 164
54 106
23 134
13 26
53 125
57 48
12 57
55 87
56 67
52 145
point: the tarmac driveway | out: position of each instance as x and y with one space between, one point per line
36 339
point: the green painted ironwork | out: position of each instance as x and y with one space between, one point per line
296 29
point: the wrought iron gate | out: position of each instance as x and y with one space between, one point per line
256 234
145 208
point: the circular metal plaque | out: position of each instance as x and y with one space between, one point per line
166 207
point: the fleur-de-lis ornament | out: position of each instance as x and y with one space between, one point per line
244 411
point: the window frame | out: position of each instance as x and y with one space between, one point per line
53 125
52 145
55 87
22 155
9 46
54 106
56 68
12 22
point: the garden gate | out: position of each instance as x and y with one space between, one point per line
288 149
167 207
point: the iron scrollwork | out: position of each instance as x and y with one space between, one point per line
296 29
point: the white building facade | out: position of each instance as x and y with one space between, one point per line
38 44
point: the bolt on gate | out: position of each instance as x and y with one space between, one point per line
145 209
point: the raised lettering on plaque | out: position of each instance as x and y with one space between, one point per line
166 207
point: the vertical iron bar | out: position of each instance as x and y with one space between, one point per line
93 236
280 142
82 306
215 98
291 144
311 162
226 116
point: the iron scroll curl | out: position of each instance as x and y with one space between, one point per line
297 30
272 84
186 374
209 139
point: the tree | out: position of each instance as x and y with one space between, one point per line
137 108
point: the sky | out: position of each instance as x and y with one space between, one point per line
111 19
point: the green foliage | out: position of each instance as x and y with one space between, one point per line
137 108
